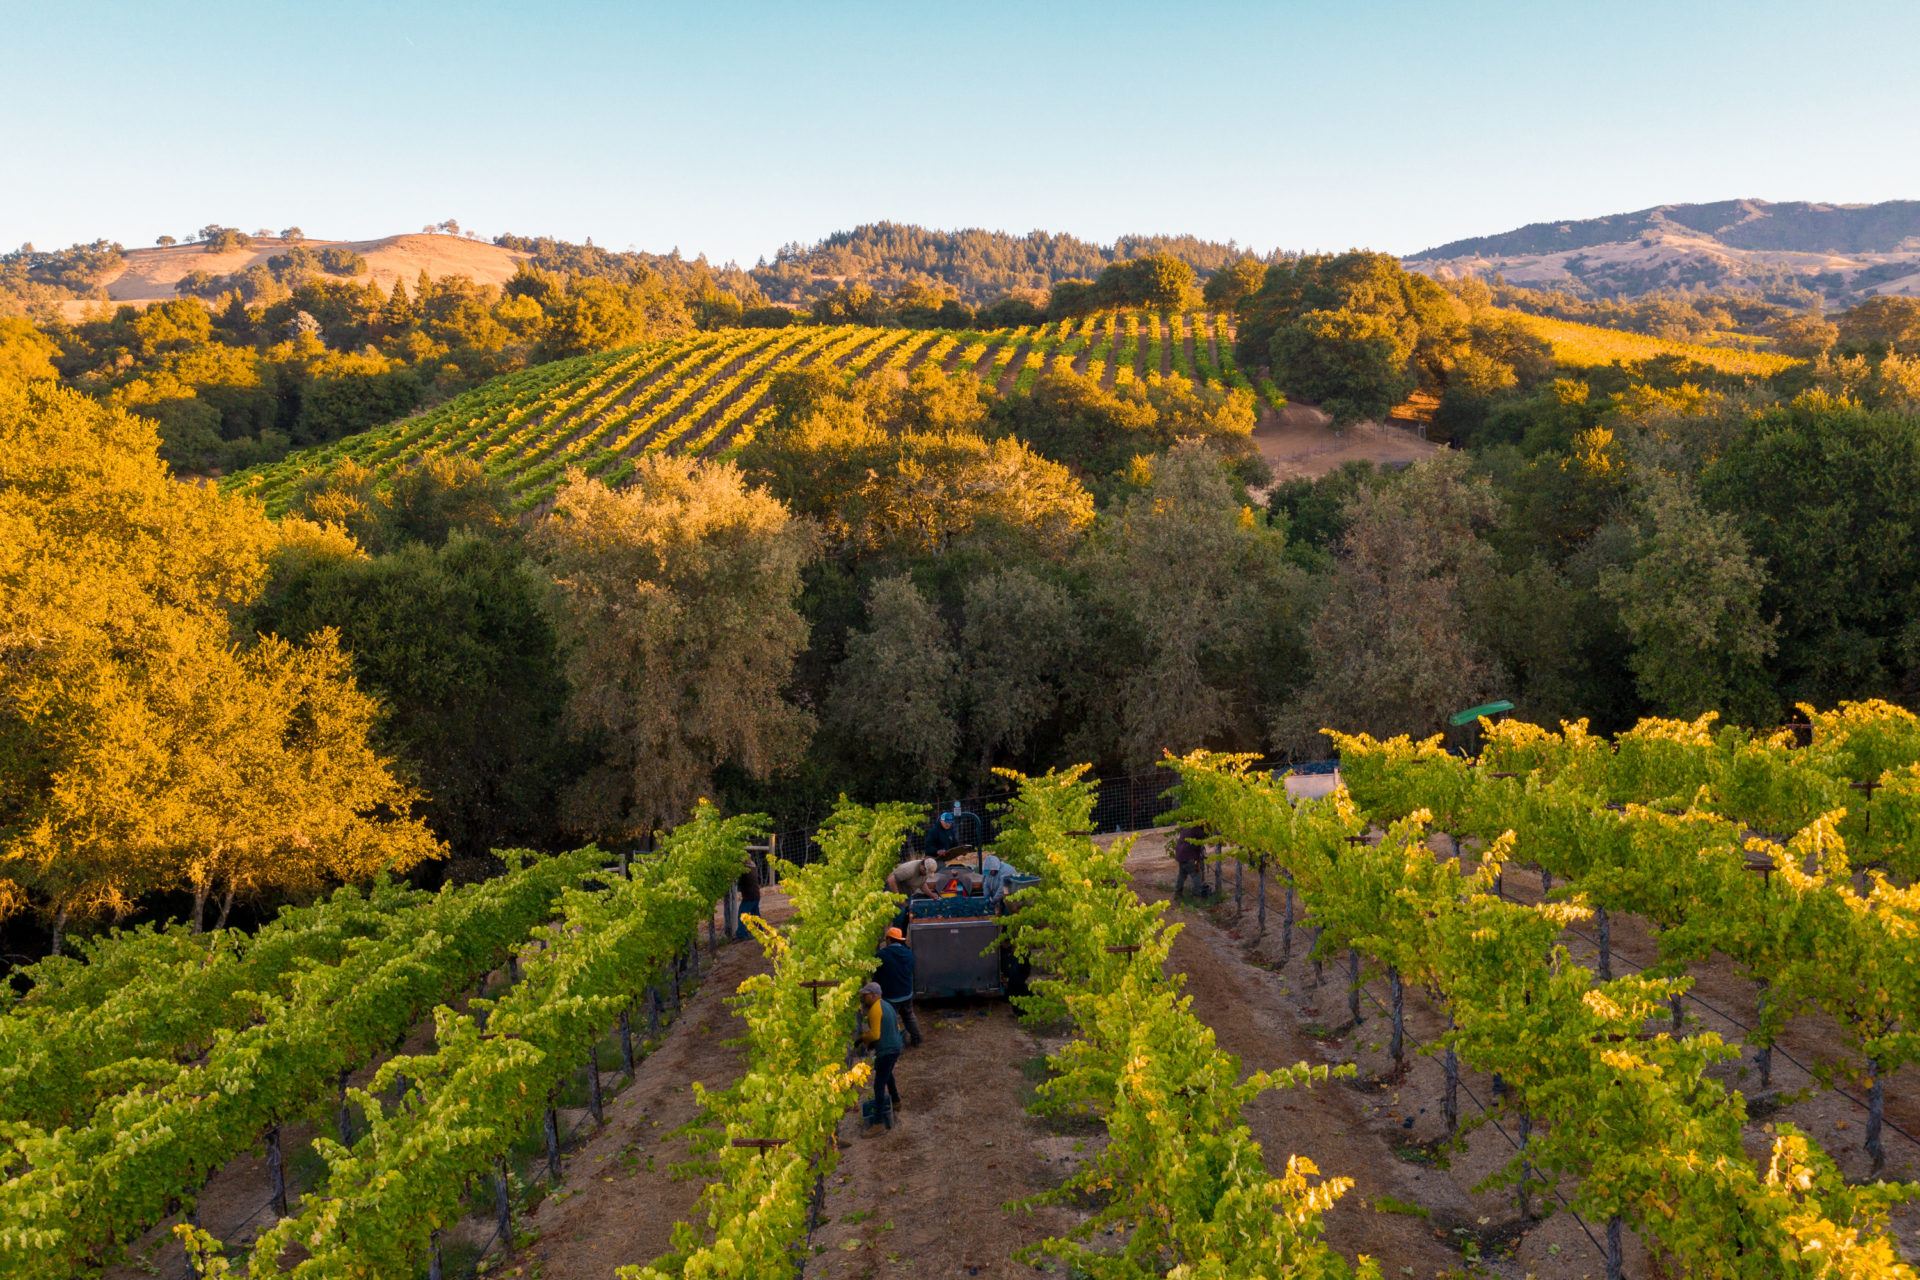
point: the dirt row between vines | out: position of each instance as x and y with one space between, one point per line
1389 1127
937 1196
922 1199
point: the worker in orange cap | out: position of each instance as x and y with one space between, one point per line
895 976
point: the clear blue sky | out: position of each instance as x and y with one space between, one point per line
731 128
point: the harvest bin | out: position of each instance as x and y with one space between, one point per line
957 949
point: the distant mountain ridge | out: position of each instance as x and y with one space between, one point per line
1795 226
1836 251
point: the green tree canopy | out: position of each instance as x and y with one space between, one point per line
1098 432
896 693
1691 605
144 744
1355 331
675 605
1231 284
1828 497
1394 650
1208 606
900 467
453 635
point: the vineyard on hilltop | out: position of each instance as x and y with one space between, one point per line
1583 346
707 393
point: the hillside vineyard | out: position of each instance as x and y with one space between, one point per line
707 393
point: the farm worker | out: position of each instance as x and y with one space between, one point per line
749 898
910 876
1192 857
943 833
895 976
880 1029
996 878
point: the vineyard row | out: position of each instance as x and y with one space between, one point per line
708 393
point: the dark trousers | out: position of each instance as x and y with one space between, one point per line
886 1094
1196 871
903 1010
748 907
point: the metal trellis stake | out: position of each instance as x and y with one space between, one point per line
503 1207
1606 945
345 1117
1398 1045
277 1171
1286 924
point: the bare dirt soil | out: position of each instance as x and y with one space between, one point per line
618 1199
937 1195
1010 376
1389 1121
1300 442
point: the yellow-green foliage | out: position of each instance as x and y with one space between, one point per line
1582 346
702 393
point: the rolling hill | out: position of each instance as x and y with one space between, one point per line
1840 252
149 275
707 393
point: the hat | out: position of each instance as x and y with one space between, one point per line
895 935
946 818
871 989
931 865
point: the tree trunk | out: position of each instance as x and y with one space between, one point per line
1615 1261
1450 1097
226 905
59 928
1606 946
199 906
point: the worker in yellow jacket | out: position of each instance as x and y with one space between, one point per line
880 1031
